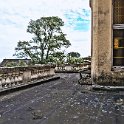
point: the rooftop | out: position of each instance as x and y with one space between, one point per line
62 101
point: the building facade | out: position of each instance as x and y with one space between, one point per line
107 66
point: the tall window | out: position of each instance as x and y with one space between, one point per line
118 32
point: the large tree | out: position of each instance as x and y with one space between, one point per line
48 38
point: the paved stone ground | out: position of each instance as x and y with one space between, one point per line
62 101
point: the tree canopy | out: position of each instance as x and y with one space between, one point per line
59 57
74 58
74 54
48 38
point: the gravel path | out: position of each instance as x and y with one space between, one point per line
62 101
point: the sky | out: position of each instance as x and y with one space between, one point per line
16 14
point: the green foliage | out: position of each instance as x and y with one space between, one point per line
74 54
59 57
74 58
22 63
48 38
13 64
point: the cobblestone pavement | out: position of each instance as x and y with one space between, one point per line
62 101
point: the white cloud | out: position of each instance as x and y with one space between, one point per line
16 14
80 40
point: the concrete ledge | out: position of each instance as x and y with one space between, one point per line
108 88
28 85
67 71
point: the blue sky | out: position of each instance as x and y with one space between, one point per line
15 15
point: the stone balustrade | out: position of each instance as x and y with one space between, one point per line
72 67
14 76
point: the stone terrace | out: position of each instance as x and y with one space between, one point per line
62 101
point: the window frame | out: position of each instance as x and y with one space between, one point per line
118 67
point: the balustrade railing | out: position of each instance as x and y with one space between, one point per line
71 67
14 76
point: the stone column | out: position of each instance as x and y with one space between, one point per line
102 45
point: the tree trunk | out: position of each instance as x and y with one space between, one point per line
47 55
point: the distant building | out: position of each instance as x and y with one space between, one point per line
15 62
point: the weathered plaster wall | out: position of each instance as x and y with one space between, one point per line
102 45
